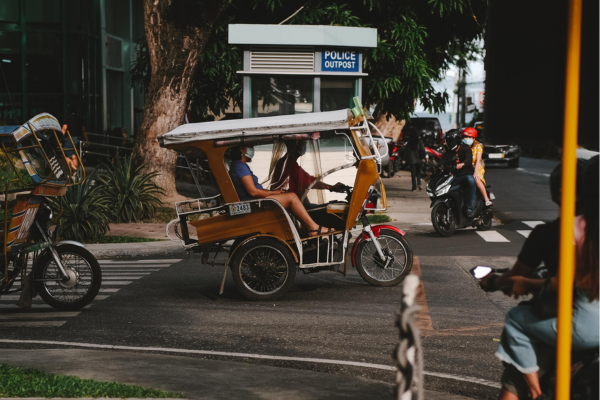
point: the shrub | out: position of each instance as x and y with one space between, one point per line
81 213
132 193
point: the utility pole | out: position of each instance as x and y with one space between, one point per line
463 97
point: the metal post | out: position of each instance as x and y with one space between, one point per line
567 210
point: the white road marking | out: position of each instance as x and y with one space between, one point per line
533 173
111 269
108 290
524 232
31 315
533 224
116 283
122 273
250 355
492 236
165 261
32 324
110 277
424 223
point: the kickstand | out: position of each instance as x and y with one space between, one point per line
223 282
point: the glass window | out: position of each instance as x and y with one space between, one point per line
52 104
43 14
9 12
337 93
10 109
10 57
281 95
44 62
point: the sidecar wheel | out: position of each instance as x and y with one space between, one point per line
263 269
85 278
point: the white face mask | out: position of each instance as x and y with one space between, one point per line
249 152
468 141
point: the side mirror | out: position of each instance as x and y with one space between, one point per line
480 271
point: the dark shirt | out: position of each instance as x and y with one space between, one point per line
542 245
75 125
465 156
413 156
237 171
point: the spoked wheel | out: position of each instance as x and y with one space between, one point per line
81 286
263 269
373 270
443 220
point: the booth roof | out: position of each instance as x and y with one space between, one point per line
278 125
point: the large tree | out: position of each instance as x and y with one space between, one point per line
417 42
176 33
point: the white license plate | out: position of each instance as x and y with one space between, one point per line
496 155
237 209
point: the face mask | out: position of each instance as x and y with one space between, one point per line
468 141
249 152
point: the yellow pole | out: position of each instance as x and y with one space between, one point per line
567 212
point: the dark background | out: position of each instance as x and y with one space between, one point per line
525 82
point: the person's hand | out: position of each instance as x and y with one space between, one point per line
459 166
520 286
338 187
487 283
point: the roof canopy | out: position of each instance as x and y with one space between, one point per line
279 125
39 122
302 35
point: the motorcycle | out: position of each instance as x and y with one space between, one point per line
448 204
584 364
36 169
433 161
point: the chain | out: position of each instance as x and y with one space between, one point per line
408 352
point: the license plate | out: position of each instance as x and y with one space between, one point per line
496 155
237 209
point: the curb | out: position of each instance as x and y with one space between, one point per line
136 249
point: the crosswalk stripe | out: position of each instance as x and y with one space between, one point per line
525 232
113 270
533 224
134 267
104 278
34 315
492 236
32 324
102 290
166 261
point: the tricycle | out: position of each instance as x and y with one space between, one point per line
35 167
268 244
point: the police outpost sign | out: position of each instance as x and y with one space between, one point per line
333 60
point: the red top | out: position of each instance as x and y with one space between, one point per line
288 174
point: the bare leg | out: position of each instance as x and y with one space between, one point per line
481 187
506 395
292 202
533 381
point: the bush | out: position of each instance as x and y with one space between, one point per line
81 213
132 193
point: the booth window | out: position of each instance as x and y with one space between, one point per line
281 95
337 93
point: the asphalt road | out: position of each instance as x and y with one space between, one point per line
175 303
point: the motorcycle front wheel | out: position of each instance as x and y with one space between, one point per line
443 220
370 266
82 285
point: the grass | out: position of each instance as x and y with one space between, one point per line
123 239
377 219
17 382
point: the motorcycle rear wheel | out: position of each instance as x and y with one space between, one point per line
443 222
368 264
83 285
485 226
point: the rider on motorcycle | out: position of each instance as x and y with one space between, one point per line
461 154
469 138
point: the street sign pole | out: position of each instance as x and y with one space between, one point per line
567 212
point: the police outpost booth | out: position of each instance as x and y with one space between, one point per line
291 69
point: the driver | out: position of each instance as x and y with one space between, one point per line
464 166
290 176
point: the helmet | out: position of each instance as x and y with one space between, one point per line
556 183
453 139
470 132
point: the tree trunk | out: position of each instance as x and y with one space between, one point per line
176 32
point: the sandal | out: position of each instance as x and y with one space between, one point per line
488 203
319 231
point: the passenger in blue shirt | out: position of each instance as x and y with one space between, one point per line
247 187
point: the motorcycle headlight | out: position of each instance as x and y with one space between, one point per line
444 187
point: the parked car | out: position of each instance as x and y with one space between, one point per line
430 130
502 154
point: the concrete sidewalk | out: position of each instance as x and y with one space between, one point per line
198 378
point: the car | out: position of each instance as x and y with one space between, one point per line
430 130
498 153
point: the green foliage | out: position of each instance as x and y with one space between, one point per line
17 382
377 219
418 41
124 239
129 190
81 213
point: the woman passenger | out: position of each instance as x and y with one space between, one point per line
247 187
469 135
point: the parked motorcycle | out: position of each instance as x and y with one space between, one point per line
432 162
448 204
584 364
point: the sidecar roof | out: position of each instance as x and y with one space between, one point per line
278 125
39 122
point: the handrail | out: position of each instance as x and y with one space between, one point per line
566 274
